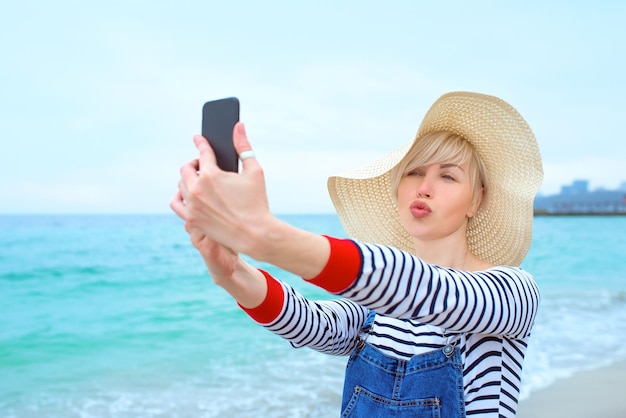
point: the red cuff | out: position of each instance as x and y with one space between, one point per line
342 268
272 305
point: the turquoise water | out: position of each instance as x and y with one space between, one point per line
115 316
580 266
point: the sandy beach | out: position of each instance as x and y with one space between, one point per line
594 393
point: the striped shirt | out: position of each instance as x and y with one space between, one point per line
419 307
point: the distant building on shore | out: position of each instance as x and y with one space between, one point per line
576 199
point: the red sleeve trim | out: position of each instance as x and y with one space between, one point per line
342 268
272 305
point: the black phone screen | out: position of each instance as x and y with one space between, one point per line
218 120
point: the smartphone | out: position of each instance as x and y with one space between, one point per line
218 120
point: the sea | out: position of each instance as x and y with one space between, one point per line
116 316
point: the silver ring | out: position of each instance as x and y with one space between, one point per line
246 154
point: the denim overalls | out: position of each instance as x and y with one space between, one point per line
428 385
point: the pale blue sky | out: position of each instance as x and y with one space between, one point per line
100 99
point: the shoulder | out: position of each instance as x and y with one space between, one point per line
509 270
513 274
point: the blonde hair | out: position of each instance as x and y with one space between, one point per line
439 148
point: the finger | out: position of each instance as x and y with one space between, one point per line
207 156
177 205
190 170
243 147
183 191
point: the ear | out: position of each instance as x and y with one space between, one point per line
476 202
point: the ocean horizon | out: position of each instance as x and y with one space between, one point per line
114 315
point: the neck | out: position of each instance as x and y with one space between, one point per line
450 251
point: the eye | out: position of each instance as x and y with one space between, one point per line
414 173
448 177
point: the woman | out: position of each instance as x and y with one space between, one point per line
434 313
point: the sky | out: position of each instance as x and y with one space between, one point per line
100 100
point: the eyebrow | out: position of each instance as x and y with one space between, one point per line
449 165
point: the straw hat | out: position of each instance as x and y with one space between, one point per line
500 233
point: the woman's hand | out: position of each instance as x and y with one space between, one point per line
221 261
242 281
229 208
232 210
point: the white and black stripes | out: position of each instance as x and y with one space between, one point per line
491 312
501 300
327 326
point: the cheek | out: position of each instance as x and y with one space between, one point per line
404 198
469 205
459 200
400 188
403 192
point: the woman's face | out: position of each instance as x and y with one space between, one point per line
435 201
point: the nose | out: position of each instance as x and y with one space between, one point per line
425 187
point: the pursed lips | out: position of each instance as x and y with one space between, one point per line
420 209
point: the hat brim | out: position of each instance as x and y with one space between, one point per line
501 231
